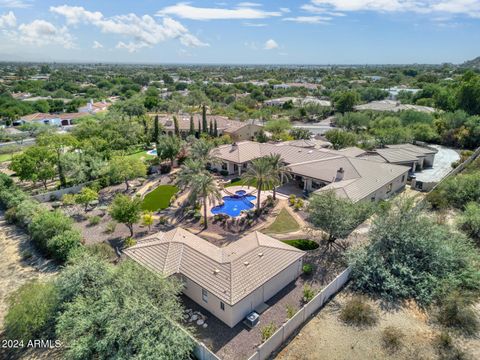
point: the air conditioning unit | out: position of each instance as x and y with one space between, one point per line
252 319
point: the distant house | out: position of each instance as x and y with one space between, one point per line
297 101
237 130
230 282
95 107
392 106
64 119
316 170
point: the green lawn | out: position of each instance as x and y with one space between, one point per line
159 198
284 223
141 155
240 182
7 157
302 244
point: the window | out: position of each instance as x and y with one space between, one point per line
224 166
403 178
205 295
222 306
389 188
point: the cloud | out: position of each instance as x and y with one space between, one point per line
459 7
97 45
41 33
143 31
309 19
248 4
8 20
271 45
254 24
18 4
186 11
284 9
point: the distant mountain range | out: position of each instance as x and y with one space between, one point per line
475 63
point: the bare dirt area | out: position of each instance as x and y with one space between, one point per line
326 336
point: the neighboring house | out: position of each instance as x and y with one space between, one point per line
64 119
237 130
231 281
393 106
316 170
297 101
95 107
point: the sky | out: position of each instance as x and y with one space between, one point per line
236 32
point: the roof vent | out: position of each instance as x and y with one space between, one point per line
246 263
340 174
216 271
260 254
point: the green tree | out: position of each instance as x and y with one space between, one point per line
344 102
204 119
86 196
126 210
215 129
192 126
280 172
36 163
201 150
124 168
148 219
156 130
469 220
469 94
301 134
168 147
176 127
62 245
204 187
341 139
260 173
278 127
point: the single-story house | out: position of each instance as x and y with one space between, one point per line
64 119
316 170
94 107
237 130
393 106
230 282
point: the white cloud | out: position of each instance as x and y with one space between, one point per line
186 11
248 4
254 24
97 45
19 4
459 7
8 20
41 33
309 19
270 45
143 31
284 9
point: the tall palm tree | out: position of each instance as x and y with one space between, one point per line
189 170
280 172
260 173
201 150
204 187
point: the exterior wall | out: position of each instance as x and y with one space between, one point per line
397 185
245 133
429 159
232 315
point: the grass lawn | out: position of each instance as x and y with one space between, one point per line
159 198
141 155
302 244
240 182
284 223
7 157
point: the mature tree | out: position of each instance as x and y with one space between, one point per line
59 143
204 119
124 168
192 126
341 139
410 256
278 127
469 94
168 147
156 130
176 127
336 217
186 177
205 188
215 129
301 134
260 174
353 121
62 245
125 310
36 163
280 172
345 101
126 210
86 196
201 150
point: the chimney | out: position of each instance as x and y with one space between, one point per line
340 174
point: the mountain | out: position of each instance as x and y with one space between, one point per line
475 63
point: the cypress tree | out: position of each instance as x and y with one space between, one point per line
199 128
192 126
215 129
204 119
176 127
156 130
210 132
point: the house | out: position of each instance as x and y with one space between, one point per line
393 106
64 119
230 282
316 170
237 130
94 107
297 101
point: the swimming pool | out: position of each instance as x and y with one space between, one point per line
233 205
152 152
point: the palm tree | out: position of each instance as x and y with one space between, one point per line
189 170
260 173
279 171
205 188
201 151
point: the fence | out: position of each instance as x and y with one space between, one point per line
57 194
288 329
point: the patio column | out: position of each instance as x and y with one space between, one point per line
239 170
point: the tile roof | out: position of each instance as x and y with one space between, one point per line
422 150
397 155
230 273
223 123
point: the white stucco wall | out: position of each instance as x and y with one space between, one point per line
382 193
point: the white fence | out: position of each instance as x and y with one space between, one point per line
57 194
288 329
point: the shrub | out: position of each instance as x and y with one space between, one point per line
308 293
68 199
291 199
457 191
31 311
5 181
268 331
111 226
291 310
11 215
456 311
446 348
27 210
60 246
307 269
11 197
47 224
224 172
128 242
102 250
298 205
469 221
94 220
165 168
302 244
357 311
392 338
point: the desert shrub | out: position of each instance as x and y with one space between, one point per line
357 311
410 256
308 293
291 310
469 221
128 242
68 199
458 190
456 311
111 226
5 181
61 245
11 197
298 205
307 269
446 348
268 330
94 220
11 215
31 311
47 224
102 250
392 338
27 210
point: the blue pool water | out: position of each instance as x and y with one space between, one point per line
152 152
235 204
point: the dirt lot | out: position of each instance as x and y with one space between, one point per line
327 337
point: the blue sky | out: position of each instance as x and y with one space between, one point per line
258 32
